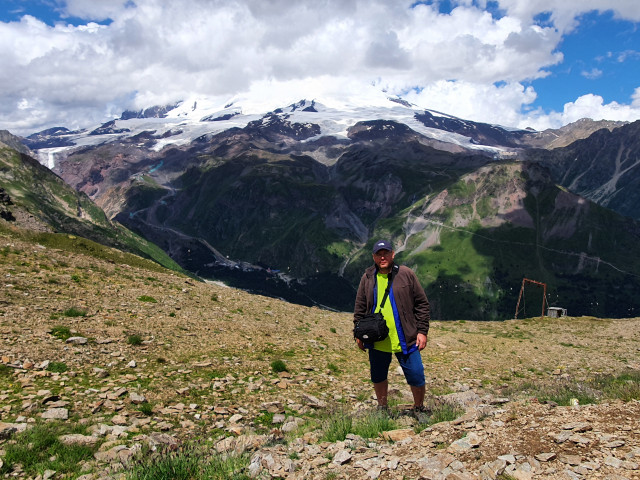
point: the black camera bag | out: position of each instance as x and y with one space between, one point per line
373 327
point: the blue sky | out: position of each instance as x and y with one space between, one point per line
520 63
602 56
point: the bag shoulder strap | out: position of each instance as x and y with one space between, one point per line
394 270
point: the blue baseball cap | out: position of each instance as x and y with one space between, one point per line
382 245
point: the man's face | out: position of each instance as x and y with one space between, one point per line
384 258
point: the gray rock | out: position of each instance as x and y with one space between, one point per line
119 420
240 444
570 459
136 398
6 430
312 401
77 340
48 474
472 440
546 456
510 459
491 470
78 439
118 453
156 438
291 424
56 414
561 437
614 444
578 426
235 418
342 457
581 439
100 372
465 399
255 466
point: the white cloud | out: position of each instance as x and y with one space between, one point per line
96 10
592 74
157 52
479 102
586 106
593 106
636 98
563 13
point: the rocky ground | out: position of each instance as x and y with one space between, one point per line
156 358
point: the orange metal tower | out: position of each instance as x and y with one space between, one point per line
544 294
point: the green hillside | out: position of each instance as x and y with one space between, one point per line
36 198
476 248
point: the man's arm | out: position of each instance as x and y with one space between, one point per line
421 308
360 308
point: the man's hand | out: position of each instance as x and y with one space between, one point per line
421 341
360 344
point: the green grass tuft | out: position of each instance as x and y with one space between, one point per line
38 449
625 386
189 463
147 298
337 427
57 367
75 312
61 332
134 340
146 408
373 424
279 366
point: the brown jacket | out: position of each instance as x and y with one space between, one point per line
410 304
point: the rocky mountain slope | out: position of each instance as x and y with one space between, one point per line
564 136
121 356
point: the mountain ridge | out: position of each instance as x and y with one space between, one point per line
302 190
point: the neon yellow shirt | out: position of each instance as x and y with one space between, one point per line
392 342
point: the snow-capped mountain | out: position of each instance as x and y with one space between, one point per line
181 124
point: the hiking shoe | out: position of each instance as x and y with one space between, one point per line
421 413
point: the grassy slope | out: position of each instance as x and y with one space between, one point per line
44 195
211 346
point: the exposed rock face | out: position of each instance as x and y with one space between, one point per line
565 136
14 142
603 168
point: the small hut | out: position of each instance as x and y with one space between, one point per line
556 312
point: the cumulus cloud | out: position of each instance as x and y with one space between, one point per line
134 54
497 104
587 105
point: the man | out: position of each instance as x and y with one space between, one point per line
407 315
